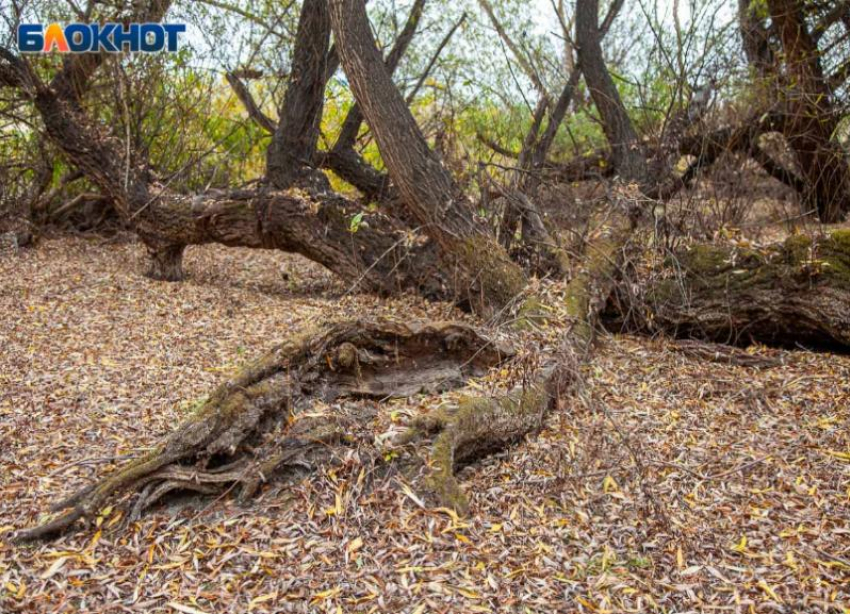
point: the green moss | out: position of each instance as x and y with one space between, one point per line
841 240
798 248
707 259
531 314
483 423
501 280
835 253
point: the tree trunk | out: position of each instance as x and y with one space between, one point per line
810 119
755 39
293 147
484 270
790 294
342 159
627 153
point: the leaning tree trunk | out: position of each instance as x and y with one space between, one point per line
291 152
484 271
342 158
627 153
377 256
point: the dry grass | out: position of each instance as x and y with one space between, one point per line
673 485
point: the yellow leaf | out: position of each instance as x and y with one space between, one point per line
54 569
790 561
354 545
766 588
326 594
95 540
680 558
496 528
845 456
468 593
261 599
448 511
741 546
186 609
609 484
412 496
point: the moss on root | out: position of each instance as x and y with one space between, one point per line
256 422
481 425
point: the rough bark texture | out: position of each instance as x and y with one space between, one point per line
428 192
342 159
379 255
629 159
794 293
261 421
291 152
810 117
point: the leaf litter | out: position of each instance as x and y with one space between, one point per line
674 483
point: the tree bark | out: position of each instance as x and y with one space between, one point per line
485 272
810 120
342 159
260 422
628 156
794 293
755 38
292 150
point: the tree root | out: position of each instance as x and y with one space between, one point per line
479 426
264 420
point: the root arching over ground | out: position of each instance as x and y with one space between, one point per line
707 424
260 421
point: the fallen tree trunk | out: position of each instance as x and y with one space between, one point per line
795 293
377 254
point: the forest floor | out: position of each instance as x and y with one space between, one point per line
672 484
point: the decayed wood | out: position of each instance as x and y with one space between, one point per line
260 421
